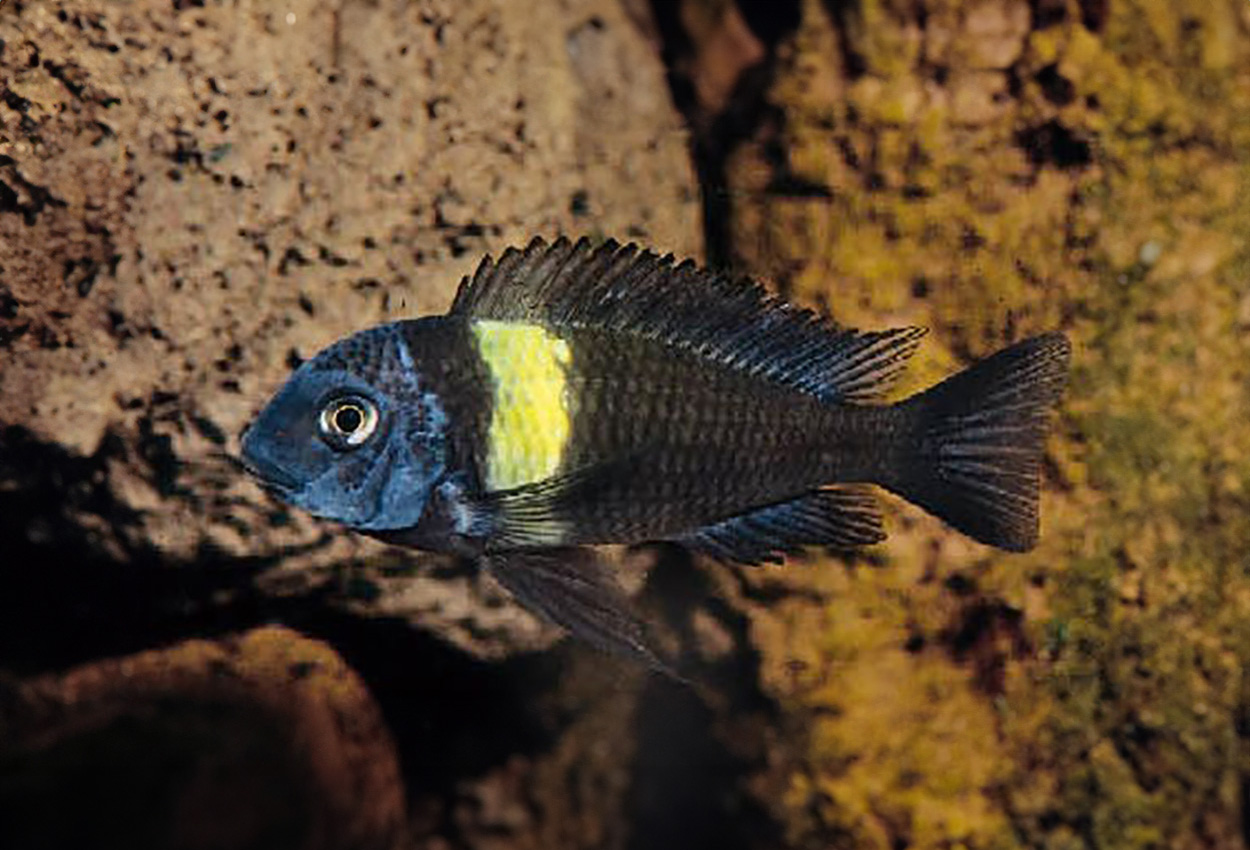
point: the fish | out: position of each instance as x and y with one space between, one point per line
580 394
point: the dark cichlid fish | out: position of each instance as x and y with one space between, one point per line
576 395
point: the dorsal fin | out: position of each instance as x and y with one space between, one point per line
731 320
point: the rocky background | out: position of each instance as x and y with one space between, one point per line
194 195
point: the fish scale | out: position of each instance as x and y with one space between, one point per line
697 443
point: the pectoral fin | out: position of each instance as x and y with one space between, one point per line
573 588
537 516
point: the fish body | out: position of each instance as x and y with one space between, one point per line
576 395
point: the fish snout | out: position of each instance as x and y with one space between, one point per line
259 460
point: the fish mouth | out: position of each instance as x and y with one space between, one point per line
269 475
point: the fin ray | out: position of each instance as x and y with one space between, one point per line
734 321
976 462
573 588
835 517
536 515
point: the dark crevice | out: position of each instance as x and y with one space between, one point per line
688 783
715 136
1050 13
1241 716
452 717
770 20
1094 14
19 195
986 635
72 596
1056 88
80 582
845 14
1054 144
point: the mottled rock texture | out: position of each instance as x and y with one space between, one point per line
192 196
990 170
195 195
265 741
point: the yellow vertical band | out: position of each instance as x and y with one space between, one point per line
530 418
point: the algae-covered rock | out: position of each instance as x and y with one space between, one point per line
192 196
991 170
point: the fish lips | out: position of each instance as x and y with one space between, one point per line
268 472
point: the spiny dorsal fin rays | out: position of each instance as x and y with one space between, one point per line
871 362
732 321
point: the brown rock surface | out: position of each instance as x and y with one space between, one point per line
266 741
986 169
193 196
990 170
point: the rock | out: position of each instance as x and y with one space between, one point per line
993 33
266 740
978 97
1102 668
725 48
193 197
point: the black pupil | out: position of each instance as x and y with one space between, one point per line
348 418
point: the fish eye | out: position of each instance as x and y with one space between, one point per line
348 422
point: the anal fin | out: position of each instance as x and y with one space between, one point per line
836 517
573 588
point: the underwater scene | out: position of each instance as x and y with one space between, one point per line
626 424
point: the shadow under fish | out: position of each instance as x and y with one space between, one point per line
577 395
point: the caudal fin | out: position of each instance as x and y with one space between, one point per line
974 457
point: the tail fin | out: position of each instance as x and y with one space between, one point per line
975 456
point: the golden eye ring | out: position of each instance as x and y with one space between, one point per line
349 421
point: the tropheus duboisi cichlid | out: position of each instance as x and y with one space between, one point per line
578 395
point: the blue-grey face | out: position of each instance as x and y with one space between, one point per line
353 435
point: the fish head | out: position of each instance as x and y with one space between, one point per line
355 435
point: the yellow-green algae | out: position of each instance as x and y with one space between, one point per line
1105 189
